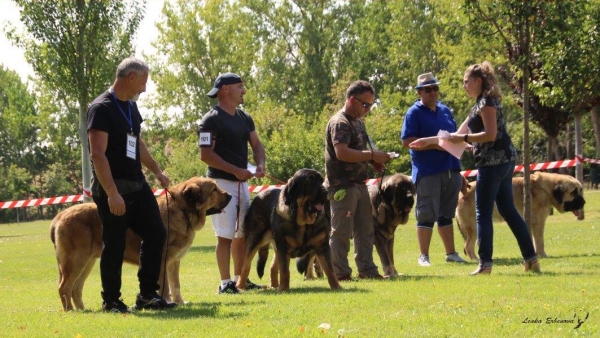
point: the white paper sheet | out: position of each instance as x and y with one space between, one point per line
456 149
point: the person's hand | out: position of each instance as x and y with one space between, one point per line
379 167
380 157
469 147
260 171
423 142
116 204
163 179
244 174
457 138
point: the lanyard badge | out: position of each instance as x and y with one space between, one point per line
131 143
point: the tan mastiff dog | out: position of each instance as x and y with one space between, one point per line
77 236
562 192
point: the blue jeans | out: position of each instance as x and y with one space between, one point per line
494 184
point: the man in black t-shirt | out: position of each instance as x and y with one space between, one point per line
120 190
224 134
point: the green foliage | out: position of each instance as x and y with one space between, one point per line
74 47
19 123
297 59
197 41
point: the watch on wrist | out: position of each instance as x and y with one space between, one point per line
466 138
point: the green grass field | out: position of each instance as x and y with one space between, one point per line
439 301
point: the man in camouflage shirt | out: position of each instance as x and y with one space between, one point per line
346 159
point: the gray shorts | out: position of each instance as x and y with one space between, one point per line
437 195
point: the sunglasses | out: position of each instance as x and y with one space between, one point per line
430 89
364 104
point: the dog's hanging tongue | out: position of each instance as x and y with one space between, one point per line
319 207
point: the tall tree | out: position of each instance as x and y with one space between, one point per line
301 46
196 42
19 128
514 23
74 47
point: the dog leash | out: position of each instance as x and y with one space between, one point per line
276 180
381 180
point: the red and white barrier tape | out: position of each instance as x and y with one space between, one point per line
540 166
258 188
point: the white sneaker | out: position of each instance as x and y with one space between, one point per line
454 257
424 260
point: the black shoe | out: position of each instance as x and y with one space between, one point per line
252 286
230 288
152 302
376 276
346 278
116 306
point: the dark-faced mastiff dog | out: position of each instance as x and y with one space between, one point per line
77 236
391 203
292 220
561 192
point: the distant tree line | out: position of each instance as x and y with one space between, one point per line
296 58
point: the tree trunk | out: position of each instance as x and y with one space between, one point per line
578 147
596 125
86 168
525 46
569 142
549 148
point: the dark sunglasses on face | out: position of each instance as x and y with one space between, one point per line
430 89
364 104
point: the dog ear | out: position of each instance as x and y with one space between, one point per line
558 193
287 198
387 191
193 194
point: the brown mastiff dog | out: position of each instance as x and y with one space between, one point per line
293 221
77 236
391 203
563 192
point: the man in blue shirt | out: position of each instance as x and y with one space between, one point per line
435 172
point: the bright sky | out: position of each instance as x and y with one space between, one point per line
12 57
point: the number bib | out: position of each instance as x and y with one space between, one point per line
131 143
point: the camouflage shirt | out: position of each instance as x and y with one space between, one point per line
346 129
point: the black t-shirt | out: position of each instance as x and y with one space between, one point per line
231 134
103 114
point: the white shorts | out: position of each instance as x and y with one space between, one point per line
226 222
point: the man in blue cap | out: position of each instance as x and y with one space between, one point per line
223 137
435 172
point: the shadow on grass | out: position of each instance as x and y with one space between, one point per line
347 287
190 310
574 255
202 249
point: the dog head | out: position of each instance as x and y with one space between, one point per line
305 196
202 195
396 199
567 192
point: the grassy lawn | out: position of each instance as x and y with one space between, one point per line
439 301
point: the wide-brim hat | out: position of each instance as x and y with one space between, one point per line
426 80
222 80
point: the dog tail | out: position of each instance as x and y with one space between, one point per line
302 264
261 262
52 233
